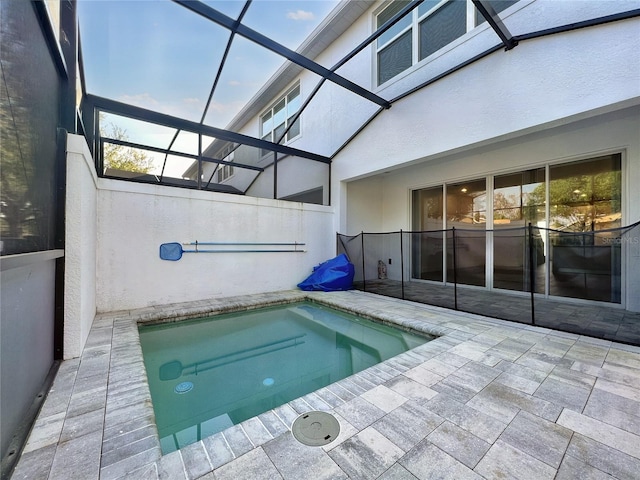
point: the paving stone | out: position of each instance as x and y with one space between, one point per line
46 431
455 387
614 410
563 394
618 389
36 464
627 359
195 459
78 458
316 403
170 467
408 425
504 403
346 431
254 465
146 472
274 425
80 425
618 375
604 458
128 450
573 377
340 392
504 461
541 362
586 353
518 383
459 443
237 440
602 432
366 455
410 388
572 468
426 461
423 376
522 371
287 414
472 420
360 413
397 472
384 398
128 437
218 450
295 461
474 375
124 467
537 437
256 431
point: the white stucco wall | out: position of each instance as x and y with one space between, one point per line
382 203
80 246
135 219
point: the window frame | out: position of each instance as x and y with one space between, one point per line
417 18
271 112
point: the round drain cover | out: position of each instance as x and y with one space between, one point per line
315 428
183 387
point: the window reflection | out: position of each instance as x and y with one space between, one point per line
518 199
585 200
467 213
428 244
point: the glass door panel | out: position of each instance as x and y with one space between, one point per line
585 201
427 240
518 199
467 213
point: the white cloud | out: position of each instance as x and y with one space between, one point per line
301 15
143 100
234 83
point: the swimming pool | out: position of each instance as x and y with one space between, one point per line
208 374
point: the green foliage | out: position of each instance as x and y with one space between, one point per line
120 157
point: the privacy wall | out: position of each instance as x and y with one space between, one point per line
135 219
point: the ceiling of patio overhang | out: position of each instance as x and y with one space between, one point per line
220 63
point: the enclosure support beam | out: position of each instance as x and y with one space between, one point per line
490 15
264 41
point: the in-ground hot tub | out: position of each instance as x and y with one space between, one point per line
208 374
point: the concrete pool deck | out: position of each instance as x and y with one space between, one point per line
486 399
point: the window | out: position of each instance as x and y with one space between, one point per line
277 119
224 172
436 23
571 249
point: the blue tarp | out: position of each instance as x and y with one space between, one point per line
332 275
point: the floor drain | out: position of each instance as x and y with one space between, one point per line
315 428
183 387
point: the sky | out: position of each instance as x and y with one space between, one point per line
161 56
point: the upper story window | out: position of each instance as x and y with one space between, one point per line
224 172
428 28
277 119
227 154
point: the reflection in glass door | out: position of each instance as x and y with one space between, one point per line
427 245
467 213
585 201
518 200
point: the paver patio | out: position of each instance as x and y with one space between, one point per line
486 399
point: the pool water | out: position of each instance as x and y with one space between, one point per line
208 374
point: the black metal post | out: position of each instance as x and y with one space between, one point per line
455 277
402 263
532 276
275 175
364 286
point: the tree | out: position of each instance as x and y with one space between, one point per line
121 157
